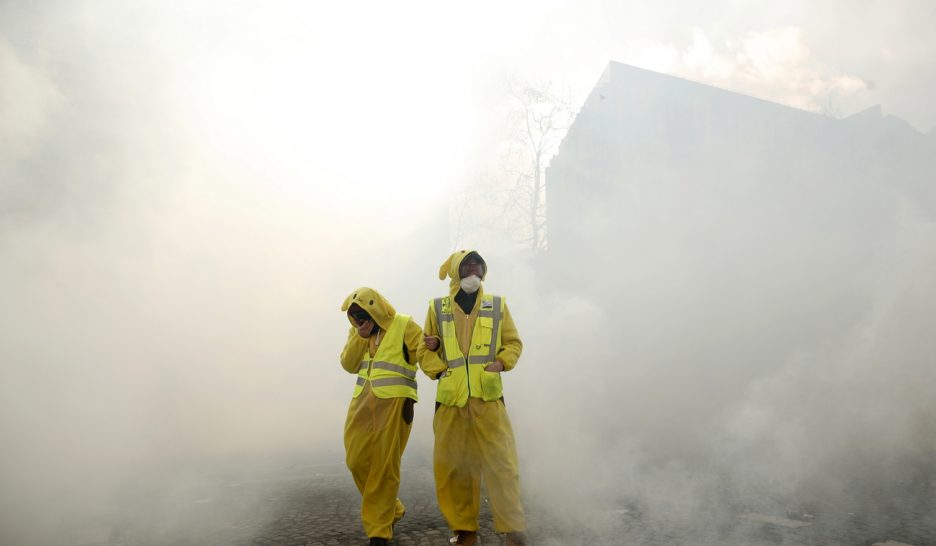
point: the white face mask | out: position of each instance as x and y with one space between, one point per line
471 284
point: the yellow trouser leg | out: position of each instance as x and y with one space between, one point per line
499 464
375 437
456 468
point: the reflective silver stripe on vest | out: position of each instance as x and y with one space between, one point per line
437 303
396 368
360 381
440 318
497 319
389 381
494 313
362 367
438 310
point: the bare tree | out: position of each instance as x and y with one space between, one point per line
540 118
472 212
536 119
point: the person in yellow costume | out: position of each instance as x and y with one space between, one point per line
470 339
382 350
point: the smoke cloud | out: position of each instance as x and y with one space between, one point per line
188 192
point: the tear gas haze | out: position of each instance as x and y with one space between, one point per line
189 191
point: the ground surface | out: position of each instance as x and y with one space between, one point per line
304 504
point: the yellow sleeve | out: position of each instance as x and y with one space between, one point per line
354 351
413 339
511 346
430 361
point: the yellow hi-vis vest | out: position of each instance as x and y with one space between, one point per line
388 372
466 376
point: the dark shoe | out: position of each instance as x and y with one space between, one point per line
516 539
466 538
377 541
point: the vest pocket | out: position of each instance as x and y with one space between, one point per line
485 331
491 386
446 391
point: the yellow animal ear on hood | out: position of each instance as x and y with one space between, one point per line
451 264
446 266
374 303
348 301
450 268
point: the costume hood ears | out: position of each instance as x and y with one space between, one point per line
449 267
374 303
446 267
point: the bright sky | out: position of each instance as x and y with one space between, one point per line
392 102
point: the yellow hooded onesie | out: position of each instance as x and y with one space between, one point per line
379 417
473 435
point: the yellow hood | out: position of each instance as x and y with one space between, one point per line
375 304
449 268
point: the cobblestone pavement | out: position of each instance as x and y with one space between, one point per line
318 505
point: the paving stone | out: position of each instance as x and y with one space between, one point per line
324 510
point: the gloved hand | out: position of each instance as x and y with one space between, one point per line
496 366
365 328
432 342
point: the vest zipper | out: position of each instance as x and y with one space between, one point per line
467 373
